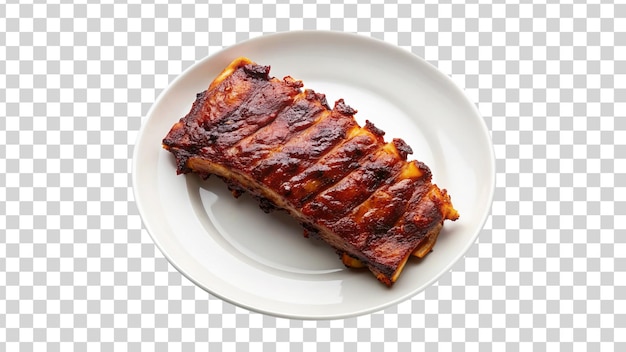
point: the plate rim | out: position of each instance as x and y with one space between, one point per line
350 36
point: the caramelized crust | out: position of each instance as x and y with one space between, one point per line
291 151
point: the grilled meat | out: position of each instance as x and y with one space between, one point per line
290 150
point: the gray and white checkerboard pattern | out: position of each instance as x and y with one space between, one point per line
78 271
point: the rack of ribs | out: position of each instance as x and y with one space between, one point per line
285 146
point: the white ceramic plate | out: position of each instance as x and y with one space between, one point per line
261 262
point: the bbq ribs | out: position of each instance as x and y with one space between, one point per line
289 149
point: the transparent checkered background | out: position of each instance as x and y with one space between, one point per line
78 271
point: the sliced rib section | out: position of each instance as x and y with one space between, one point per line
290 150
